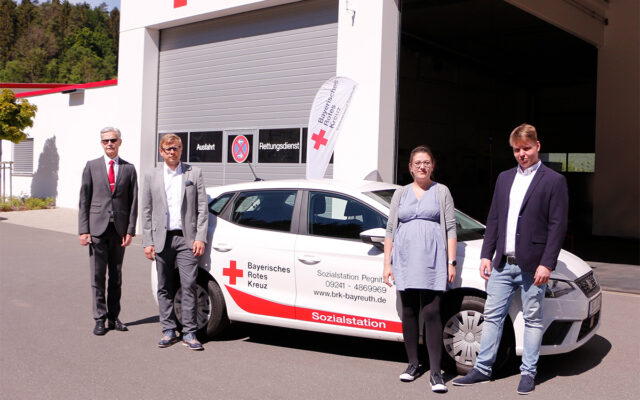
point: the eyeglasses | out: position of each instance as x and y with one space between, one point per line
169 149
105 141
418 164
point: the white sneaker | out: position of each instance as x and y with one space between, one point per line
410 374
437 383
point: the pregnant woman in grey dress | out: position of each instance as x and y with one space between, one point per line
419 258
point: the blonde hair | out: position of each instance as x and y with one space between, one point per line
170 138
523 132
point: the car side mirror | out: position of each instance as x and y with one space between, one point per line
374 237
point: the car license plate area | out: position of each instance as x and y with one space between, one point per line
595 305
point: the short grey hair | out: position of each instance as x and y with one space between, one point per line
110 129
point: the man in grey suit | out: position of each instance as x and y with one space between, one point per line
175 218
107 216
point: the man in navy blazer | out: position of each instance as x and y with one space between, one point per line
107 216
525 230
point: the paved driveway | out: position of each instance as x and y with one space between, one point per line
47 350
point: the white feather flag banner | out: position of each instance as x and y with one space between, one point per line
327 111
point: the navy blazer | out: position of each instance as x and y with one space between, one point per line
542 221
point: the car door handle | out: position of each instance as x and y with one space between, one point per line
221 247
309 260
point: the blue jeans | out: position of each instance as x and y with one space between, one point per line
504 281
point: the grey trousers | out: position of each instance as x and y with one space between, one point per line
105 255
176 254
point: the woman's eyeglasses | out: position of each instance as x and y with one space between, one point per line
419 164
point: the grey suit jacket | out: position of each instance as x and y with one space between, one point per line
98 204
193 209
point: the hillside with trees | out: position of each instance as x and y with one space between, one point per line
55 41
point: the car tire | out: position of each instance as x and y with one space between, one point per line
211 310
461 333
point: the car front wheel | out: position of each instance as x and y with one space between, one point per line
462 332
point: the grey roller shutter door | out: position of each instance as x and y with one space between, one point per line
23 157
257 69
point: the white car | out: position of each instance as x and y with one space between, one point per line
307 254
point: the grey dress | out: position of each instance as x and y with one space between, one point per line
419 259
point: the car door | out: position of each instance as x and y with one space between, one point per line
338 277
252 255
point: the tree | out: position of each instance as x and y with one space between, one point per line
15 116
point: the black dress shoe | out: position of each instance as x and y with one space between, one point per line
99 329
117 325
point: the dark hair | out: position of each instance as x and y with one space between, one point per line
422 149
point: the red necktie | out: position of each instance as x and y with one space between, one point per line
112 176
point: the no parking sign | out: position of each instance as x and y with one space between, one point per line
240 149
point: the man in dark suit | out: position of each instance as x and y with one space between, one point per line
525 230
106 223
174 233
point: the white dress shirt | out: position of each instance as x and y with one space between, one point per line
173 189
516 197
116 163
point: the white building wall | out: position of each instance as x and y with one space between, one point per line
66 134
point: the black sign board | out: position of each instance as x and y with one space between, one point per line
184 136
279 145
240 149
205 147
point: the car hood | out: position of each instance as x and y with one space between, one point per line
570 267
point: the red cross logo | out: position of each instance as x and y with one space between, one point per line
232 272
319 139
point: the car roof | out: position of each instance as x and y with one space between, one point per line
344 186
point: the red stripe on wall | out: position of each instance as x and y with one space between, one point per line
179 3
89 85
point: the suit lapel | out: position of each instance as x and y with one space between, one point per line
102 173
121 164
185 172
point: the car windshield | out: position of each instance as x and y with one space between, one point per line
382 196
467 228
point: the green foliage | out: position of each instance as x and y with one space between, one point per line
26 203
15 116
55 41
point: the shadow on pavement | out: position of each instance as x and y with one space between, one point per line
576 362
315 341
148 320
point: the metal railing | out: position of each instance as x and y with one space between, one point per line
4 167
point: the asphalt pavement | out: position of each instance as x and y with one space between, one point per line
47 350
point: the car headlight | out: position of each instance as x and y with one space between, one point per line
556 288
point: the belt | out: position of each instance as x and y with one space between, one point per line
511 260
175 232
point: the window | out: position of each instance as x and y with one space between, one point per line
269 209
340 217
216 205
23 157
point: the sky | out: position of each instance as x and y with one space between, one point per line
110 3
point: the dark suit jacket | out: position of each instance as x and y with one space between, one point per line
98 204
542 222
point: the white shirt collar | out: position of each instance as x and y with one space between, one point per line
115 159
177 171
529 170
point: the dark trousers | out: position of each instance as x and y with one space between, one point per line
425 303
105 256
176 254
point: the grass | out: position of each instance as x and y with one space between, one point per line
26 203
